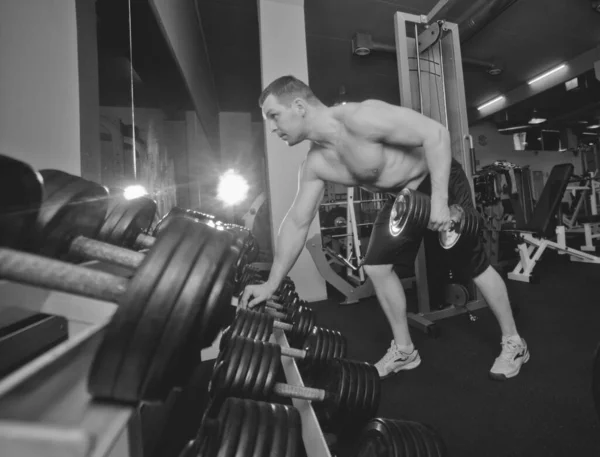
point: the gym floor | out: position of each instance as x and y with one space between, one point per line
547 410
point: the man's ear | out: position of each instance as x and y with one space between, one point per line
300 106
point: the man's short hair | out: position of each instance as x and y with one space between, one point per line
286 89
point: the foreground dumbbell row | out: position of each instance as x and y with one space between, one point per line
345 395
75 212
249 428
173 307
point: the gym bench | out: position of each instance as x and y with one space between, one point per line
536 236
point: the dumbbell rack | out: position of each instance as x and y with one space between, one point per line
45 409
314 440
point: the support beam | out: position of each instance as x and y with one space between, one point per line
283 52
183 33
573 68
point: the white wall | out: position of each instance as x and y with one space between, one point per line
39 83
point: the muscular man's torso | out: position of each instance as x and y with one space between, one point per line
358 160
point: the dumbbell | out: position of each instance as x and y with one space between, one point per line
390 435
345 394
298 328
174 306
410 215
21 194
248 428
73 216
245 241
318 345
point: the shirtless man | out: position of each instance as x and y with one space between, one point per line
385 148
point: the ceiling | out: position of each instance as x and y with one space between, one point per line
526 39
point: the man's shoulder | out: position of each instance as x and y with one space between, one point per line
357 115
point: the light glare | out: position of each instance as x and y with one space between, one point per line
136 191
233 188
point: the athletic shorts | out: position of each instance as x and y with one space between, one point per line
466 259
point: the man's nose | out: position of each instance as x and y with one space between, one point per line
272 126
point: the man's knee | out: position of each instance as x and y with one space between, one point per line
378 271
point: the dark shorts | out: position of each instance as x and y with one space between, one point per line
467 258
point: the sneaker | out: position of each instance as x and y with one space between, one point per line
508 364
395 360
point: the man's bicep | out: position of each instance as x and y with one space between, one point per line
308 198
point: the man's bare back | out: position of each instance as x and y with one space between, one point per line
359 158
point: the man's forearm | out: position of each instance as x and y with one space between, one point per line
290 242
439 159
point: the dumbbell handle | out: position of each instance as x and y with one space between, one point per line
40 271
306 393
293 352
144 241
98 250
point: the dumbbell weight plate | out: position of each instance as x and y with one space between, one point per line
21 194
279 443
72 206
107 363
126 219
178 342
266 419
156 314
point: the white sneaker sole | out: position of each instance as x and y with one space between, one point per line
408 366
512 374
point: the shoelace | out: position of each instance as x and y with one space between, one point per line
508 349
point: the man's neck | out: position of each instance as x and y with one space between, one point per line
323 127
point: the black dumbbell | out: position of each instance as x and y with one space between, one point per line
345 394
410 215
21 194
247 428
389 435
319 345
174 306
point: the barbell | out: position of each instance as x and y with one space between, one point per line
410 216
346 393
174 306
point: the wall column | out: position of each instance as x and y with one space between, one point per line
283 52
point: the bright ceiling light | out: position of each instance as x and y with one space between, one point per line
545 75
233 188
491 102
136 191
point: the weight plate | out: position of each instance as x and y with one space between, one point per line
355 395
280 435
21 194
376 439
131 217
250 428
240 388
400 439
72 207
273 371
432 440
143 344
175 357
219 301
121 328
333 379
266 424
231 425
231 361
294 431
456 295
251 375
203 326
259 388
